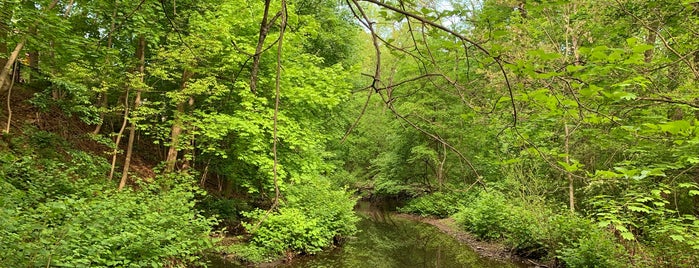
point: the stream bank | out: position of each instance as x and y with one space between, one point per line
387 239
491 250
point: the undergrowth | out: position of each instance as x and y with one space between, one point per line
58 209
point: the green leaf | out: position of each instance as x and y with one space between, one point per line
627 236
677 238
638 209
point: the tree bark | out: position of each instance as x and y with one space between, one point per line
177 127
189 150
140 53
104 96
69 7
8 64
650 40
571 189
265 25
9 97
120 135
13 57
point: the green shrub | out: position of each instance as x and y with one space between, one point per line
251 253
289 230
525 228
674 242
596 249
312 218
564 230
228 211
535 231
333 208
437 204
485 216
60 212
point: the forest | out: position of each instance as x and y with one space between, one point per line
149 133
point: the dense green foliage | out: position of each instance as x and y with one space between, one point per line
566 129
312 218
57 210
544 105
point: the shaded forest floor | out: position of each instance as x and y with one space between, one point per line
26 116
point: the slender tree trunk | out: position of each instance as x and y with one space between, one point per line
140 53
189 152
571 31
120 135
265 25
9 97
571 189
104 96
69 7
177 127
440 168
650 40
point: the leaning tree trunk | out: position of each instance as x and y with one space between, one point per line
5 73
140 53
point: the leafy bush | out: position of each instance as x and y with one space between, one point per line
525 229
289 230
334 208
437 204
147 228
485 216
536 231
59 210
596 249
675 242
228 211
313 217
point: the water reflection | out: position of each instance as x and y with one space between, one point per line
385 241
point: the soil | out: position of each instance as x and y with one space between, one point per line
491 250
69 127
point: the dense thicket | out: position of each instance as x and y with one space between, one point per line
567 129
539 111
233 97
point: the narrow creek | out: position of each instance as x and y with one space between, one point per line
388 241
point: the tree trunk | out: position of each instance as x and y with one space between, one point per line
13 57
8 64
571 189
34 67
177 127
104 96
189 151
140 53
650 40
9 98
33 51
69 7
120 135
265 25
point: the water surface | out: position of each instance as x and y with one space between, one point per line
386 241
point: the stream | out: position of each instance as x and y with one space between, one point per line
388 241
